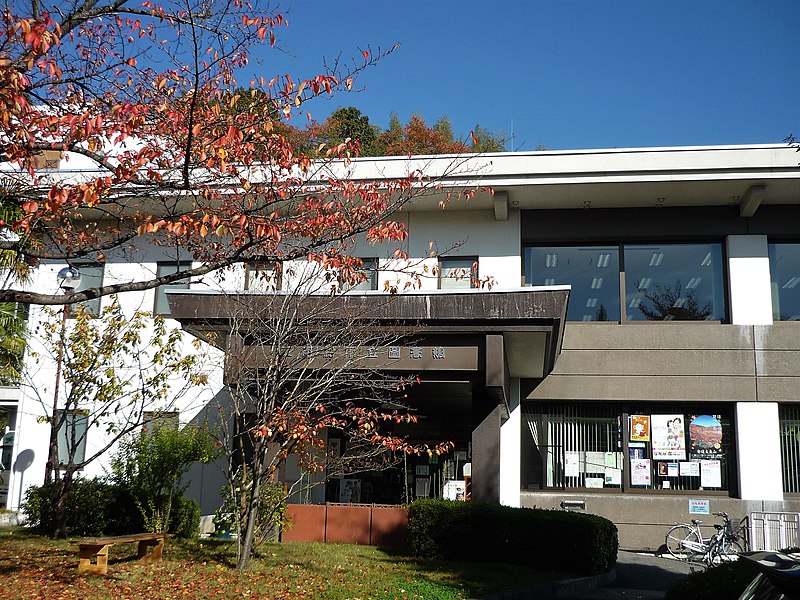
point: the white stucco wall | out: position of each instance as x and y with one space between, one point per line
749 280
759 451
38 385
511 450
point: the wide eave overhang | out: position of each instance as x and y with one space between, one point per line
521 330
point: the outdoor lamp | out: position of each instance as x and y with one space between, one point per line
69 278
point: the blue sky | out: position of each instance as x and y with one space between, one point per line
566 74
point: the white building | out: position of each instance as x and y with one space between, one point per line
671 377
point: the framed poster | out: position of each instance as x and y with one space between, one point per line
668 438
640 428
640 471
572 464
705 437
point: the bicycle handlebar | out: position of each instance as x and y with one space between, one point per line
724 515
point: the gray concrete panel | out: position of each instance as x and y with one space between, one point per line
486 457
779 389
656 362
778 336
661 336
646 388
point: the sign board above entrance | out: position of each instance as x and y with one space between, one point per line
389 358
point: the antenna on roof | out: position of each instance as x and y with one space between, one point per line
512 134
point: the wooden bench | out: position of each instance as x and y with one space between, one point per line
97 549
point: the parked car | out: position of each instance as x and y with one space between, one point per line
778 579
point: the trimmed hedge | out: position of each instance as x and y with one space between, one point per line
542 539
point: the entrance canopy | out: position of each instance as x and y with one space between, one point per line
504 334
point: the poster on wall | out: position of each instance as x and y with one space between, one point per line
640 428
636 453
572 464
613 476
710 474
595 462
669 441
705 437
640 471
690 469
594 482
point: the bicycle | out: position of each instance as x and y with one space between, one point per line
685 541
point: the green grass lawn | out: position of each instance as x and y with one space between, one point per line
32 566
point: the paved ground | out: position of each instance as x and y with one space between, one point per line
639 577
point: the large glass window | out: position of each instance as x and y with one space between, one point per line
681 282
784 265
790 447
571 446
592 271
666 447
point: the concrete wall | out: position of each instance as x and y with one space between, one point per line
643 519
673 361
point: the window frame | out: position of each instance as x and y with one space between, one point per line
67 421
161 290
623 273
474 275
775 287
93 306
622 412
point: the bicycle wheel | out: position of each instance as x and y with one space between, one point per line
724 551
682 542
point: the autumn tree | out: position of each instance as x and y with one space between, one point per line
419 138
116 370
146 95
301 370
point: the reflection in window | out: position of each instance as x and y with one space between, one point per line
681 282
72 437
458 273
161 306
592 271
784 266
91 277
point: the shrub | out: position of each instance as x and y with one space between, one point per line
151 466
185 521
585 544
272 515
94 507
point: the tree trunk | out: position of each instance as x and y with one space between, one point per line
248 532
61 489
